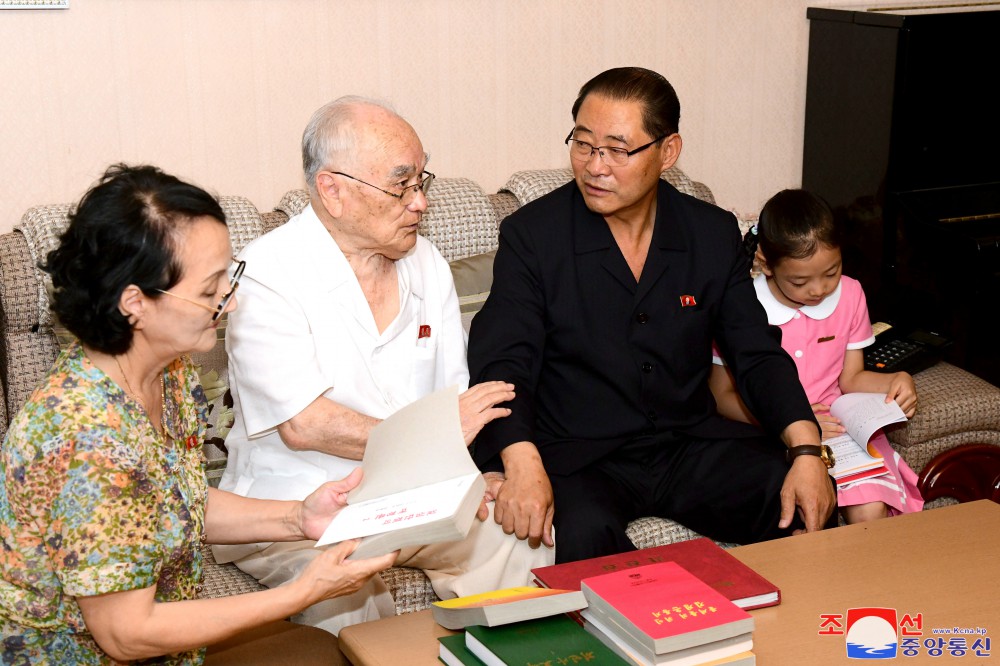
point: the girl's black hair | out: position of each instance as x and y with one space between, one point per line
793 223
124 231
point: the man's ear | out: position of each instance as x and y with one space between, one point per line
762 262
330 191
132 304
670 150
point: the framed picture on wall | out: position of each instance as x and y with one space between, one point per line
34 4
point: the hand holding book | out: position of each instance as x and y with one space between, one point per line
862 415
420 484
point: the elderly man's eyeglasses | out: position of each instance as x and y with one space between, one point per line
409 192
581 151
234 284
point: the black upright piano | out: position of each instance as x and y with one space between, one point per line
902 137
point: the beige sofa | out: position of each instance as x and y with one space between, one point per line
956 408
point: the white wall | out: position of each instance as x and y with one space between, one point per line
218 91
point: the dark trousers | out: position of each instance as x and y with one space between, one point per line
728 490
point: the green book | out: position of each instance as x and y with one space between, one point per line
453 652
556 639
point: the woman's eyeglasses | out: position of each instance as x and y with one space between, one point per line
234 284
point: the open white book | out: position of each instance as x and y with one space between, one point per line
862 414
420 485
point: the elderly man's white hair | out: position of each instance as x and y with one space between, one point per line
330 132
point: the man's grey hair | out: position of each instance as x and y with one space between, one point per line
330 134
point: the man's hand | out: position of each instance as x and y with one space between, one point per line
904 392
317 510
477 406
807 488
828 423
524 503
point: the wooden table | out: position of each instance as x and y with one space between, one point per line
943 564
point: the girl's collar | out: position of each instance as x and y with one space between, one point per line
779 313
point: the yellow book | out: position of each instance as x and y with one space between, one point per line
512 604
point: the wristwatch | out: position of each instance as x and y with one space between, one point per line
824 452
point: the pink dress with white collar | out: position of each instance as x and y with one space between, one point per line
817 337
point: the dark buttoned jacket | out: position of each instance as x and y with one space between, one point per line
597 359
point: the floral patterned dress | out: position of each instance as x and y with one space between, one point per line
94 500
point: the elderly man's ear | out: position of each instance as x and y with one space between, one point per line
330 191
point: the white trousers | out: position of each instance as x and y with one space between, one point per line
487 559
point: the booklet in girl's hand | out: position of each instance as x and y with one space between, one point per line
862 414
420 484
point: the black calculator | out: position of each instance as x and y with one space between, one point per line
910 353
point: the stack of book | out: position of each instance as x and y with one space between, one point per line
701 557
676 605
549 640
662 614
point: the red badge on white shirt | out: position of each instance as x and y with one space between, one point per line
424 332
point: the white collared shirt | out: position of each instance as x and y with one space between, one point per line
304 329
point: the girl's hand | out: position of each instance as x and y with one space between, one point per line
904 392
829 424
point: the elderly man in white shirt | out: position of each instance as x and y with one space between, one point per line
346 315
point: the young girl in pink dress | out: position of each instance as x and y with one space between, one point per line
824 324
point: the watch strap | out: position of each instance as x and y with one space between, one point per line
794 452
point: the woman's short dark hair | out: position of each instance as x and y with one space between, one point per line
124 231
661 110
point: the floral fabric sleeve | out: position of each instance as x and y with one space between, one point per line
107 521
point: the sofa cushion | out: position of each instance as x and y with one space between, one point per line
951 401
473 279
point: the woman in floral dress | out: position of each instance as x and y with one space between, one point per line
103 501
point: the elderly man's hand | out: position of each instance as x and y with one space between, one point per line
807 488
477 406
524 503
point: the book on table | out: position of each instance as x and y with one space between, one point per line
721 651
662 608
452 651
555 639
861 414
512 604
420 484
701 557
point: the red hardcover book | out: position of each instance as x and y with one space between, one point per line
702 557
664 608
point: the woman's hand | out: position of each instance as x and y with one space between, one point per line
477 406
493 482
332 575
904 392
829 424
324 503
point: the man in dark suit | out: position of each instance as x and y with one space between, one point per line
607 296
